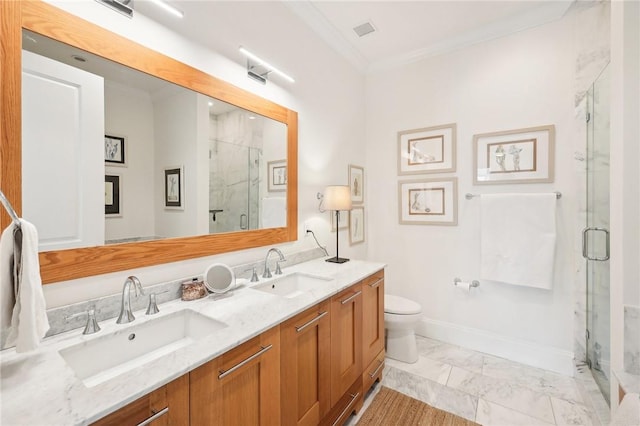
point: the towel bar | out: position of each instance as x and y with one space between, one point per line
469 196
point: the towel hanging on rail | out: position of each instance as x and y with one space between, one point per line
518 238
24 316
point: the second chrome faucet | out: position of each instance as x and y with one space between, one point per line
267 272
126 315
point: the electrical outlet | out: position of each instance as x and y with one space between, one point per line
306 228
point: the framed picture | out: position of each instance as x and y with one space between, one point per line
356 225
356 184
428 202
112 206
277 171
174 188
115 150
344 220
514 156
427 150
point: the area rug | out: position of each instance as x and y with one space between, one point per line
390 408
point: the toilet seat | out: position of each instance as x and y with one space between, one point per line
400 306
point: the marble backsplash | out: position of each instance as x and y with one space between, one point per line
109 306
632 339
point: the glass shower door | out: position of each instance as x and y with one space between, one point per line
595 238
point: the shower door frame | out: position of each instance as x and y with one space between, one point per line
596 238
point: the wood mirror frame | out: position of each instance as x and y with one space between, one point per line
52 22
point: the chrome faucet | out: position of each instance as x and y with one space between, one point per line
267 272
125 309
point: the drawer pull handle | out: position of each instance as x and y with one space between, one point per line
302 327
372 375
346 409
350 298
225 373
157 415
376 284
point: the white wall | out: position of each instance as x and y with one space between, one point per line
625 180
176 135
136 200
523 80
331 130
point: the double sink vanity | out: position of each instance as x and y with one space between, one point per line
299 348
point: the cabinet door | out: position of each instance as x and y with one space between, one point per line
373 317
305 366
346 340
168 405
241 387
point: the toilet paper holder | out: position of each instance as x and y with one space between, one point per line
474 283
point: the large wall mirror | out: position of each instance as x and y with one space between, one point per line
130 158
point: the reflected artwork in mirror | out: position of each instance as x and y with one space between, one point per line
83 86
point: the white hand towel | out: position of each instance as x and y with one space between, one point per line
29 322
518 238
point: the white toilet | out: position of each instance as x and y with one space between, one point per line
401 317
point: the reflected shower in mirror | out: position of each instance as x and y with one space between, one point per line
178 163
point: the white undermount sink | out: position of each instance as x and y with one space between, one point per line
292 285
108 356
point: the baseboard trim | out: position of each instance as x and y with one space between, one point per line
548 358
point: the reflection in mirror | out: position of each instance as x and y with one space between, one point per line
172 162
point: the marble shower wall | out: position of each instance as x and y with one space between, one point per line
235 164
592 50
632 339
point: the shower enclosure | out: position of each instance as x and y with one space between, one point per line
234 187
595 237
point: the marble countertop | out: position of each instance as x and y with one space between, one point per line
40 387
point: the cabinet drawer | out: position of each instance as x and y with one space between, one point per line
168 405
351 402
373 372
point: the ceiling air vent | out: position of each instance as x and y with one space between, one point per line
364 29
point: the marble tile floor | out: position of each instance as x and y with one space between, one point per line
491 390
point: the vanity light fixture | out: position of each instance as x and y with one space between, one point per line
337 198
169 8
261 75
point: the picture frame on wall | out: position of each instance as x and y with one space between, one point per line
174 188
514 156
112 191
115 150
428 202
356 183
356 225
277 176
427 150
344 220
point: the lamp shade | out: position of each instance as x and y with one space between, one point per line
337 197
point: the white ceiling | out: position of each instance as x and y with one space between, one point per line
405 30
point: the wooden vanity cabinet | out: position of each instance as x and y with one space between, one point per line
346 353
166 406
305 366
372 328
240 387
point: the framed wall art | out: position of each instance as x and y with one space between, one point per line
428 202
115 150
514 156
112 205
277 173
356 225
427 150
356 184
174 188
